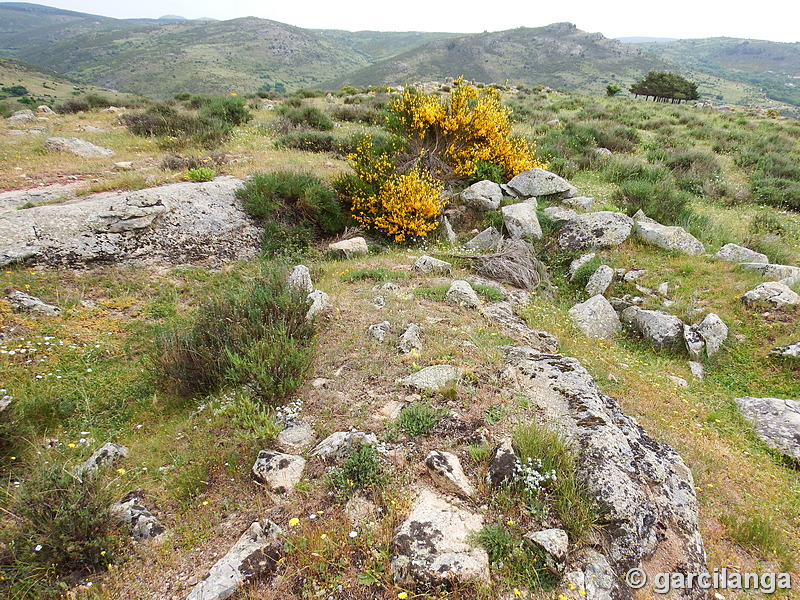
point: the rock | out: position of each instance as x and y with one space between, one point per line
503 468
662 289
679 381
360 511
559 214
502 313
352 247
427 265
600 280
483 195
583 203
488 238
790 351
643 491
521 221
446 472
76 146
695 344
776 421
538 182
740 254
299 280
697 369
174 224
5 402
462 294
432 546
596 318
660 329
124 165
772 272
411 339
449 233
104 456
256 554
634 275
379 302
131 511
578 263
434 378
714 332
277 471
45 110
340 443
21 116
602 229
378 331
670 238
319 304
22 302
603 152
772 292
296 436
554 542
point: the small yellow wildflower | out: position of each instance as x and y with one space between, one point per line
510 522
205 502
402 595
70 445
121 471
294 521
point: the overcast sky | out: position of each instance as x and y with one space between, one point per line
777 21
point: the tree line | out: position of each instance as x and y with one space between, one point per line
665 87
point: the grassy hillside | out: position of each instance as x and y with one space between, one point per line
773 67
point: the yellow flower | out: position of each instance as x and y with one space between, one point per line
517 592
294 521
510 522
70 445
205 502
121 471
402 595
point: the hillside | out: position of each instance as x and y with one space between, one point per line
773 67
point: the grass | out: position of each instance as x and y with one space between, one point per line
418 419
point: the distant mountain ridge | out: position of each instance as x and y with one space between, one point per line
161 57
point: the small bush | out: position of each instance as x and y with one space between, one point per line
376 274
355 113
228 109
660 201
294 207
253 333
201 174
514 559
309 141
485 170
363 469
308 117
418 419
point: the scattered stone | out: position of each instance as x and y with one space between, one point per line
340 443
277 471
21 116
521 221
427 265
462 294
634 275
434 378
559 214
45 110
379 302
488 238
320 304
104 456
449 233
5 402
360 511
297 436
740 254
131 511
554 542
124 165
697 369
602 229
596 317
256 554
600 280
603 152
378 331
583 203
670 238
483 195
390 411
777 422
662 289
772 292
538 182
299 280
411 339
578 263
660 329
502 313
790 351
22 302
714 332
679 381
352 247
772 272
503 467
446 472
432 546
76 146
695 344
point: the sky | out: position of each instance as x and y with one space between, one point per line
777 21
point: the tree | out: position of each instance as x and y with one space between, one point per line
663 87
612 89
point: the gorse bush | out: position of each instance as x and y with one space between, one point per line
295 207
252 333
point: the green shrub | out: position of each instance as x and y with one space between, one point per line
418 419
661 201
514 560
201 174
363 469
309 117
356 113
585 271
487 170
253 333
228 109
294 206
309 141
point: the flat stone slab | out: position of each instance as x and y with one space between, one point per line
538 182
434 378
667 237
427 264
776 421
603 229
770 271
740 254
76 146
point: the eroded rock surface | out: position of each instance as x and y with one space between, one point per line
596 317
667 237
603 229
777 422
